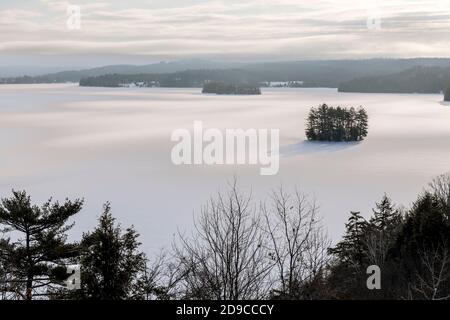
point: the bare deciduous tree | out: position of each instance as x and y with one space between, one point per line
377 245
298 245
225 259
433 282
440 187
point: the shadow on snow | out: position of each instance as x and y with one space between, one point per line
308 147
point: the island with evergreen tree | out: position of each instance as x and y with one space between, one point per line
447 95
230 88
326 123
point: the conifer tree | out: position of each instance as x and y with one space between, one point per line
361 118
385 217
37 258
311 125
326 123
426 226
350 249
112 267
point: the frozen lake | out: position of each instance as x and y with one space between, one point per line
114 145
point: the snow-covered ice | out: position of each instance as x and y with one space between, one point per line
114 145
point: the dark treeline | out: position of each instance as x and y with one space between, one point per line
326 123
230 88
411 248
319 73
420 79
182 79
447 95
237 250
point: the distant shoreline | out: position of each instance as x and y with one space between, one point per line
76 84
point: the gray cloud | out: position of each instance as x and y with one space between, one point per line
285 29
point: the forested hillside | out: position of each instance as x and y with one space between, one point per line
326 73
414 80
276 250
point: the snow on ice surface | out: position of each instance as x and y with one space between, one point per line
114 145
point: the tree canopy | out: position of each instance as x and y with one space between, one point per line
237 250
326 123
39 255
113 267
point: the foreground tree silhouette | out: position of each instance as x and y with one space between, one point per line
410 247
225 259
440 188
297 246
381 231
347 272
10 289
112 267
422 247
37 259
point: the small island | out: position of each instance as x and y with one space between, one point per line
326 123
447 95
229 88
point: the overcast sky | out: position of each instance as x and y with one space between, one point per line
35 32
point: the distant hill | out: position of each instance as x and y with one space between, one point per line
161 67
182 79
328 73
310 73
30 70
413 80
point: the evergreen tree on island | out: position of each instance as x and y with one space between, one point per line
326 123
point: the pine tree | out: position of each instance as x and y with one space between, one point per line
426 226
351 248
326 123
112 267
381 232
422 250
10 289
385 217
361 118
347 272
38 257
311 125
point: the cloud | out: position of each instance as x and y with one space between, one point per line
282 28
